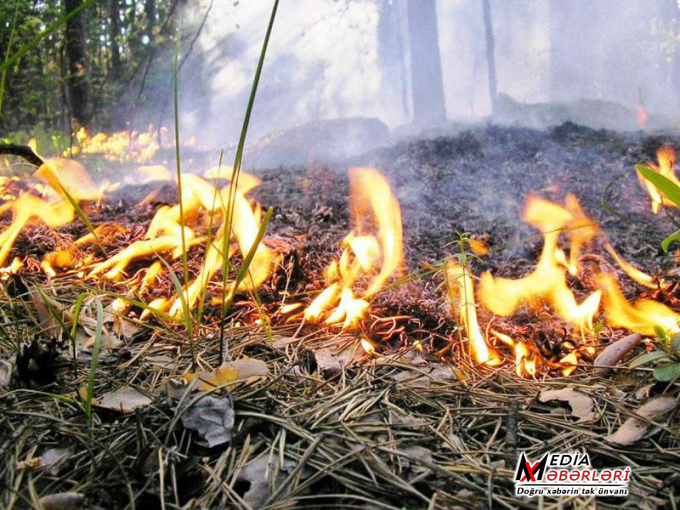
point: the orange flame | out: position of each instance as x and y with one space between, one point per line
366 253
123 146
525 357
643 317
642 117
461 290
547 283
665 156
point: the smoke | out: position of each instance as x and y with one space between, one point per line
591 62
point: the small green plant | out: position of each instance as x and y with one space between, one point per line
670 191
93 364
666 359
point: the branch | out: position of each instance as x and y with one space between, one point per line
23 151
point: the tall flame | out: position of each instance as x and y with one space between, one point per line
462 291
547 283
373 251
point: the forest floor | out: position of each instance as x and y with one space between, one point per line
329 425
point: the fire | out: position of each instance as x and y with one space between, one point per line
371 254
525 357
644 316
66 180
461 290
122 146
547 283
642 117
168 234
243 229
666 167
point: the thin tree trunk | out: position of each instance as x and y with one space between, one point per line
427 87
490 55
150 14
114 35
79 94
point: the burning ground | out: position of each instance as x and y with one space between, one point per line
361 369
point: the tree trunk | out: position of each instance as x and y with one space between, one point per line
427 87
490 55
391 56
79 94
150 14
114 35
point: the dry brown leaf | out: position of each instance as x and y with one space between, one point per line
633 429
46 309
125 400
581 404
231 372
331 361
615 352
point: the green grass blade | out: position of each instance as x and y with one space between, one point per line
178 164
93 363
665 244
248 259
186 311
74 329
237 164
3 75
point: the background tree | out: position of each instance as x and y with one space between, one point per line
427 86
77 81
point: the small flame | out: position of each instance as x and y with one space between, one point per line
666 167
643 317
461 290
636 274
642 117
366 254
368 347
525 358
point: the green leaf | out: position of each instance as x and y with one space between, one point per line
667 372
664 184
93 363
660 333
647 358
675 343
666 242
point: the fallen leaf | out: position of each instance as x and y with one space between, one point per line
125 400
414 454
614 353
330 361
263 477
49 458
234 371
212 418
633 429
47 309
581 404
62 501
5 373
